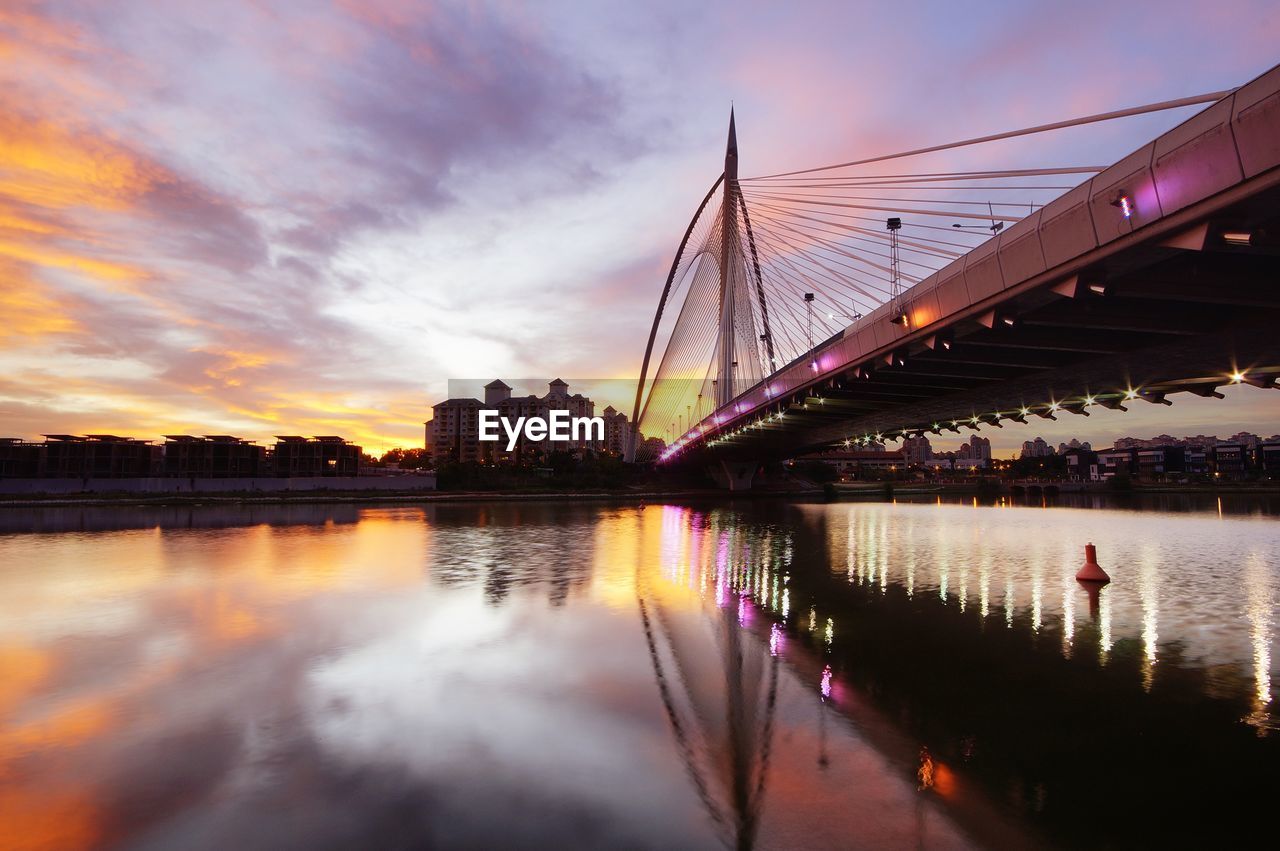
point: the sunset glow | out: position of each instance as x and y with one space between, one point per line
241 221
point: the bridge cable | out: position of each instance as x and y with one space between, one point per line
1012 134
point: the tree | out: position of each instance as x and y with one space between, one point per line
406 459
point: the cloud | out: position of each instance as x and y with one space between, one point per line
366 199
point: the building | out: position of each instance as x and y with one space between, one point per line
453 433
1082 465
20 459
295 456
99 456
1268 458
851 462
975 454
217 456
1037 448
617 431
917 450
1159 461
1195 460
1118 461
1230 460
1064 448
1249 441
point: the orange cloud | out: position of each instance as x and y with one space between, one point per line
29 311
49 174
49 165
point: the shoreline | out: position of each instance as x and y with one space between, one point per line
872 491
407 498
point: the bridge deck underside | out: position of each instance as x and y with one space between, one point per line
1168 320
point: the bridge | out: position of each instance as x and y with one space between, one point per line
848 304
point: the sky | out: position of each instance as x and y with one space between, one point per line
262 218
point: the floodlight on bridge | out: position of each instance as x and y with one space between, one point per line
997 318
1124 203
940 340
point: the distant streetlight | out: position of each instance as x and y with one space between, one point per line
994 227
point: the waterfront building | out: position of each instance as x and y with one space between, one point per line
1195 460
1118 461
99 456
1082 465
1201 455
1230 460
851 462
20 459
295 456
453 432
1268 457
217 456
1157 462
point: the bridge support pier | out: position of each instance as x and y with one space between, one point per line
734 475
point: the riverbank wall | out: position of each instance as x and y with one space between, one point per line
155 486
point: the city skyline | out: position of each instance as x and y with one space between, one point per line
255 224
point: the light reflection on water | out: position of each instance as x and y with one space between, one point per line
512 675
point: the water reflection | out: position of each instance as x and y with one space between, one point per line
1260 608
722 719
770 675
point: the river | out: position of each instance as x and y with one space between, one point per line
746 674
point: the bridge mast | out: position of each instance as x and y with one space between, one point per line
728 243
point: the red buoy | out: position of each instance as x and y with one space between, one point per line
1091 571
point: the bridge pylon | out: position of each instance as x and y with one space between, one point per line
728 268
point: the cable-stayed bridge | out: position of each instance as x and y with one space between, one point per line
873 300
